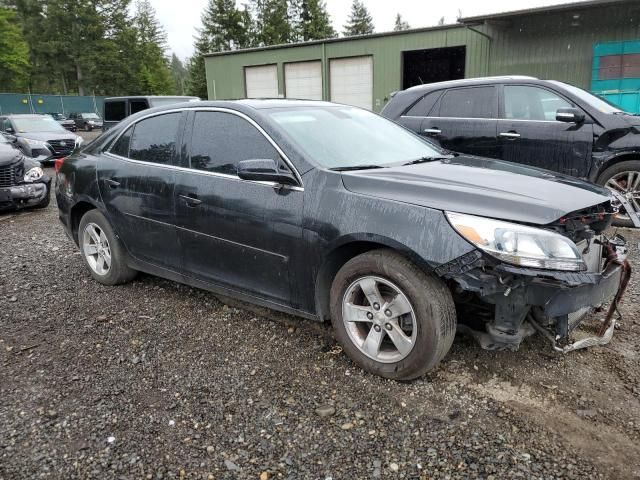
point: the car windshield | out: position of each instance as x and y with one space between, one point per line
343 137
596 102
37 124
90 116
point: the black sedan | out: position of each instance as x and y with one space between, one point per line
332 212
23 183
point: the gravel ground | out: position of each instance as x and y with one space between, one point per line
158 380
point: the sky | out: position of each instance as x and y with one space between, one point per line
181 18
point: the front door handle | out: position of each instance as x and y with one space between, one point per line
433 131
509 135
112 183
191 201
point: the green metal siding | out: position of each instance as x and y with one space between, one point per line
545 45
225 73
548 47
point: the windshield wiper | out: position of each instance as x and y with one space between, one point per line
355 167
428 159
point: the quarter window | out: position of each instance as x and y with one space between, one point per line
220 140
424 105
154 139
477 102
115 111
531 103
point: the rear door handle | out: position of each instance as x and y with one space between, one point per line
112 183
433 131
191 201
509 134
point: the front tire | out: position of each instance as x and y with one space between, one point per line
44 203
390 317
102 251
624 177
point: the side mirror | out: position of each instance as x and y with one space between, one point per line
264 170
569 115
9 130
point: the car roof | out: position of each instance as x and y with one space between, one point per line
473 81
145 97
26 115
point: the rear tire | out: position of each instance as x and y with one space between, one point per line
616 175
102 251
429 324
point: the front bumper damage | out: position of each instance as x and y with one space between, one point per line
501 304
24 195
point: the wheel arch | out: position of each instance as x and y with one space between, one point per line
346 249
77 212
614 160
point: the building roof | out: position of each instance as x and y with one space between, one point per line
579 5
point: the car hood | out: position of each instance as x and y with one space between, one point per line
8 154
480 186
46 136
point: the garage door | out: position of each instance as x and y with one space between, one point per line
262 81
352 81
303 80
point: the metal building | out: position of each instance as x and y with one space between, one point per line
553 42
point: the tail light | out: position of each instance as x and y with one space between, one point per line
57 164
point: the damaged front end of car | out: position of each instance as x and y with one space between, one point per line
524 279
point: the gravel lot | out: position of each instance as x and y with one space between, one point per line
158 380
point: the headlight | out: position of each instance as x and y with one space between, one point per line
518 244
35 143
33 174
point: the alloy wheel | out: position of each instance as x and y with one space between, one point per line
96 249
379 319
628 184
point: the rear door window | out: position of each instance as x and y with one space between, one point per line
475 102
220 140
138 106
154 139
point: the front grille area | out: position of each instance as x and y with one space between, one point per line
60 149
9 175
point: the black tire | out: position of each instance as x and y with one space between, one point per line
431 301
88 127
119 272
626 166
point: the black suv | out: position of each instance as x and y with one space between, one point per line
543 123
86 121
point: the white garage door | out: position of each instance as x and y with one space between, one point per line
352 81
303 80
262 81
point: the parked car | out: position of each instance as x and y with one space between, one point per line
39 136
331 212
64 121
117 109
542 123
86 121
23 183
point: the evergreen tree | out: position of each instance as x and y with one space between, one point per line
273 25
315 23
360 21
154 74
179 75
224 27
14 53
400 24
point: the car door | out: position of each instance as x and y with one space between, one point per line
529 133
136 179
465 120
235 233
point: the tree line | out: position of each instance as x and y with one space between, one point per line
114 47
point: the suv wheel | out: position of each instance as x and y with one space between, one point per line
624 177
102 251
390 317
